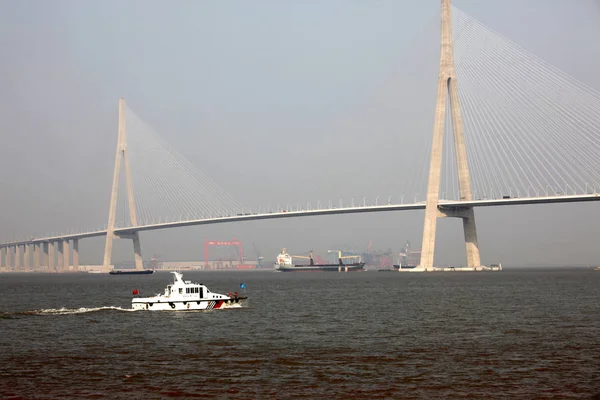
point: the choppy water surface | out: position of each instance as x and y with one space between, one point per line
514 334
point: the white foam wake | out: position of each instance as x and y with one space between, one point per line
68 311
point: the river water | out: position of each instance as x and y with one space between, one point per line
512 334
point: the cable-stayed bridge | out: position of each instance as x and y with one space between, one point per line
517 131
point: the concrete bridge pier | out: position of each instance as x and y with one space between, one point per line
66 256
36 257
51 257
11 258
61 256
17 265
76 254
27 258
46 262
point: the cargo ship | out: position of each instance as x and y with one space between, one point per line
285 263
397 267
131 272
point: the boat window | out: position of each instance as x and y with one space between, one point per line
201 293
197 290
180 290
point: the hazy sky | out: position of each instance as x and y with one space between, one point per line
276 101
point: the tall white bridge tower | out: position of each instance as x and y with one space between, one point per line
122 156
448 90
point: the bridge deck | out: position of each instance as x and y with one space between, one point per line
308 213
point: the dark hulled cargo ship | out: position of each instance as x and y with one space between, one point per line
131 272
285 263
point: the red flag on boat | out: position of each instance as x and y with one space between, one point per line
135 291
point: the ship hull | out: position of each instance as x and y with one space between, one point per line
397 267
132 272
322 268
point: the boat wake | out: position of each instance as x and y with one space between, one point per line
65 311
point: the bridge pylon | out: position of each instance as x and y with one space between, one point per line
448 92
122 156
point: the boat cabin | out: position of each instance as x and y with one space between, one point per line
184 290
196 290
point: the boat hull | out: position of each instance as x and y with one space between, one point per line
132 272
153 304
322 268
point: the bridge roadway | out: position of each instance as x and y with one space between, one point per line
306 213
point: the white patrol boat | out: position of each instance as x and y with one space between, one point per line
184 295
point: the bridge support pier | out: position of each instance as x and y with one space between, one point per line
8 258
470 230
66 256
36 257
61 256
27 258
137 251
76 254
448 90
51 256
122 155
46 261
17 258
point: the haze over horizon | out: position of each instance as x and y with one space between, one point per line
277 102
